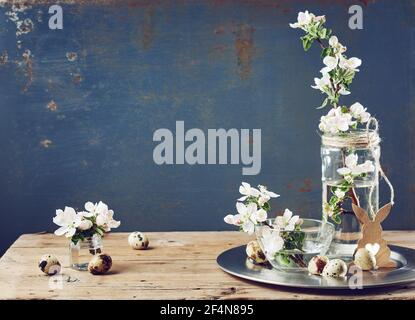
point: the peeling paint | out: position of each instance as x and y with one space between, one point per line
28 68
71 56
46 143
24 27
52 106
4 58
244 49
77 78
307 187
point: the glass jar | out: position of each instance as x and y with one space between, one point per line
82 252
360 189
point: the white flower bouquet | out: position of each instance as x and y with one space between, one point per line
341 121
281 239
95 220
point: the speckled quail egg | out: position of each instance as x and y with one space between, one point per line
254 252
49 264
100 264
365 259
138 240
317 264
249 264
335 268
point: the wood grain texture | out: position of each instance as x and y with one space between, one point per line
179 265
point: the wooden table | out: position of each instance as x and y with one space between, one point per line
179 265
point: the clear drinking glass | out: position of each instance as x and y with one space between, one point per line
364 190
82 252
299 247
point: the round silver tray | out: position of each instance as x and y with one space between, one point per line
235 262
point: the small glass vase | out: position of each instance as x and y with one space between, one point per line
82 252
364 191
299 247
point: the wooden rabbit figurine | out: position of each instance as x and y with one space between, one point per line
372 233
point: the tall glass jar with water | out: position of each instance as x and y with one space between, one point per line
349 175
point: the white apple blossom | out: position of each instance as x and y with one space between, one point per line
248 216
327 209
93 209
304 19
247 191
339 193
336 121
351 160
330 64
353 169
85 224
343 91
337 46
322 83
272 241
105 218
265 192
359 112
248 226
366 167
350 64
68 220
263 199
260 215
320 19
96 220
232 219
251 208
287 221
333 41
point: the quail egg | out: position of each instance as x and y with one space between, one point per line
49 264
100 264
365 259
317 264
254 252
138 240
335 268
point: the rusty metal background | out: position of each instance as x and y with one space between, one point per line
78 106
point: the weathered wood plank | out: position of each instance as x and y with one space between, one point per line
179 265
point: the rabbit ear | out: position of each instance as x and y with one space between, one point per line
383 213
361 214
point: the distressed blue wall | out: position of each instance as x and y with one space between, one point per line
214 64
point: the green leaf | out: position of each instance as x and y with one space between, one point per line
326 52
307 42
328 33
324 104
313 30
266 206
336 218
322 33
344 109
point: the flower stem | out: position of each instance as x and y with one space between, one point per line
352 192
322 45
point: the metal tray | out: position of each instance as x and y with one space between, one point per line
235 262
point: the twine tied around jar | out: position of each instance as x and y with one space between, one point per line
371 146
